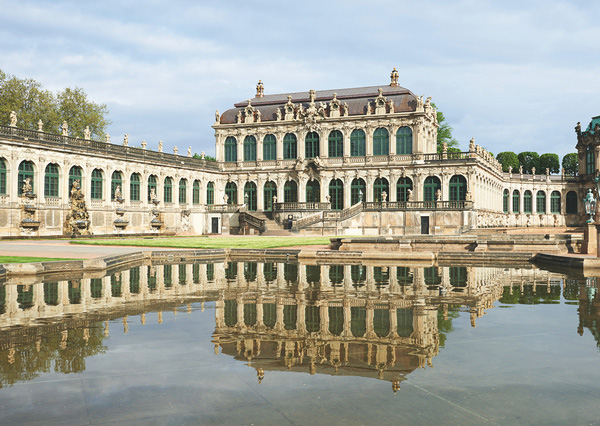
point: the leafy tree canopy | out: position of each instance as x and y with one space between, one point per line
445 134
549 161
570 163
32 103
206 157
508 158
529 160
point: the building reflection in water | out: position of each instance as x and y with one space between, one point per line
374 321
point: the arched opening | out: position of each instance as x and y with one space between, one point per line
336 194
97 184
571 202
380 186
381 141
505 200
404 140
249 148
555 202
152 187
402 187
51 180
196 192
168 190
458 188
357 191
431 186
540 202
290 146
2 176
231 193
269 147
336 144
590 167
270 191
311 145
25 172
182 191
527 202
75 173
134 187
358 143
313 191
116 180
210 193
516 199
250 196
290 192
230 149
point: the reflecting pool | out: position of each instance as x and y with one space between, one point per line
275 343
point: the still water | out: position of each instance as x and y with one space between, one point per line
279 343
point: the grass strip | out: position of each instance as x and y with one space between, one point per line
29 259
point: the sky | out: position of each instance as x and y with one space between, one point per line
515 75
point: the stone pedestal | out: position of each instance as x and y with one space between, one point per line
590 239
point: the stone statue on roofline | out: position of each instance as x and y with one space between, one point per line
278 114
217 117
87 134
160 146
126 140
189 152
65 128
13 119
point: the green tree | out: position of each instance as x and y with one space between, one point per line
529 160
508 158
549 161
445 134
75 108
206 157
570 163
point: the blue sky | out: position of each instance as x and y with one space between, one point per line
516 75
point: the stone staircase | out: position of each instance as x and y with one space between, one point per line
273 228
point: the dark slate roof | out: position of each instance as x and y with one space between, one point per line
356 98
590 127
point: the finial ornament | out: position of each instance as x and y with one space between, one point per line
394 78
260 89
40 124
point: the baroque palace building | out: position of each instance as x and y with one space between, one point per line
348 161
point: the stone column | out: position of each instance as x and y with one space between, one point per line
279 141
240 148
369 140
259 146
347 191
302 181
323 143
392 131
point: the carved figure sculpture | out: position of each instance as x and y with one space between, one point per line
13 119
175 150
107 138
27 188
278 114
118 194
346 108
160 146
144 144
321 110
40 124
126 140
217 117
391 106
77 219
438 195
153 194
289 109
65 128
189 154
383 196
472 145
86 133
239 116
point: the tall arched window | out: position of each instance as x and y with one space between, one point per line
540 202
231 193
290 147
458 188
381 142
555 202
357 191
290 192
97 184
135 182
51 180
402 187
25 172
152 185
516 200
430 187
270 191
311 145
527 202
249 148
571 202
380 186
168 190
358 144
2 177
75 173
313 191
230 149
336 144
250 196
404 140
210 193
182 191
196 192
589 160
269 147
336 194
505 200
116 179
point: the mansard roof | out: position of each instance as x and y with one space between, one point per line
356 98
595 121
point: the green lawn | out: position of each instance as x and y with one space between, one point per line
209 242
27 259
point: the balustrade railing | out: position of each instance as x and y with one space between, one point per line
307 221
418 205
281 207
252 221
223 208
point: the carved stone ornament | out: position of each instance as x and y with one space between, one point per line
77 220
13 119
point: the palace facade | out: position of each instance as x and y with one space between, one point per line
349 161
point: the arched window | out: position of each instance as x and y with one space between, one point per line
589 160
430 187
290 147
25 172
230 149
290 192
516 201
210 193
182 191
196 192
571 202
555 202
358 144
135 187
51 180
357 191
527 202
458 188
311 145
250 196
152 185
249 148
402 187
336 144
270 191
336 194
540 202
269 147
505 200
75 173
2 177
231 193
380 186
168 190
313 191
97 183
381 142
404 140
116 179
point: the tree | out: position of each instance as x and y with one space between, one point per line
529 160
32 103
206 157
508 158
570 163
549 161
445 134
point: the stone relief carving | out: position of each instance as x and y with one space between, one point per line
77 220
